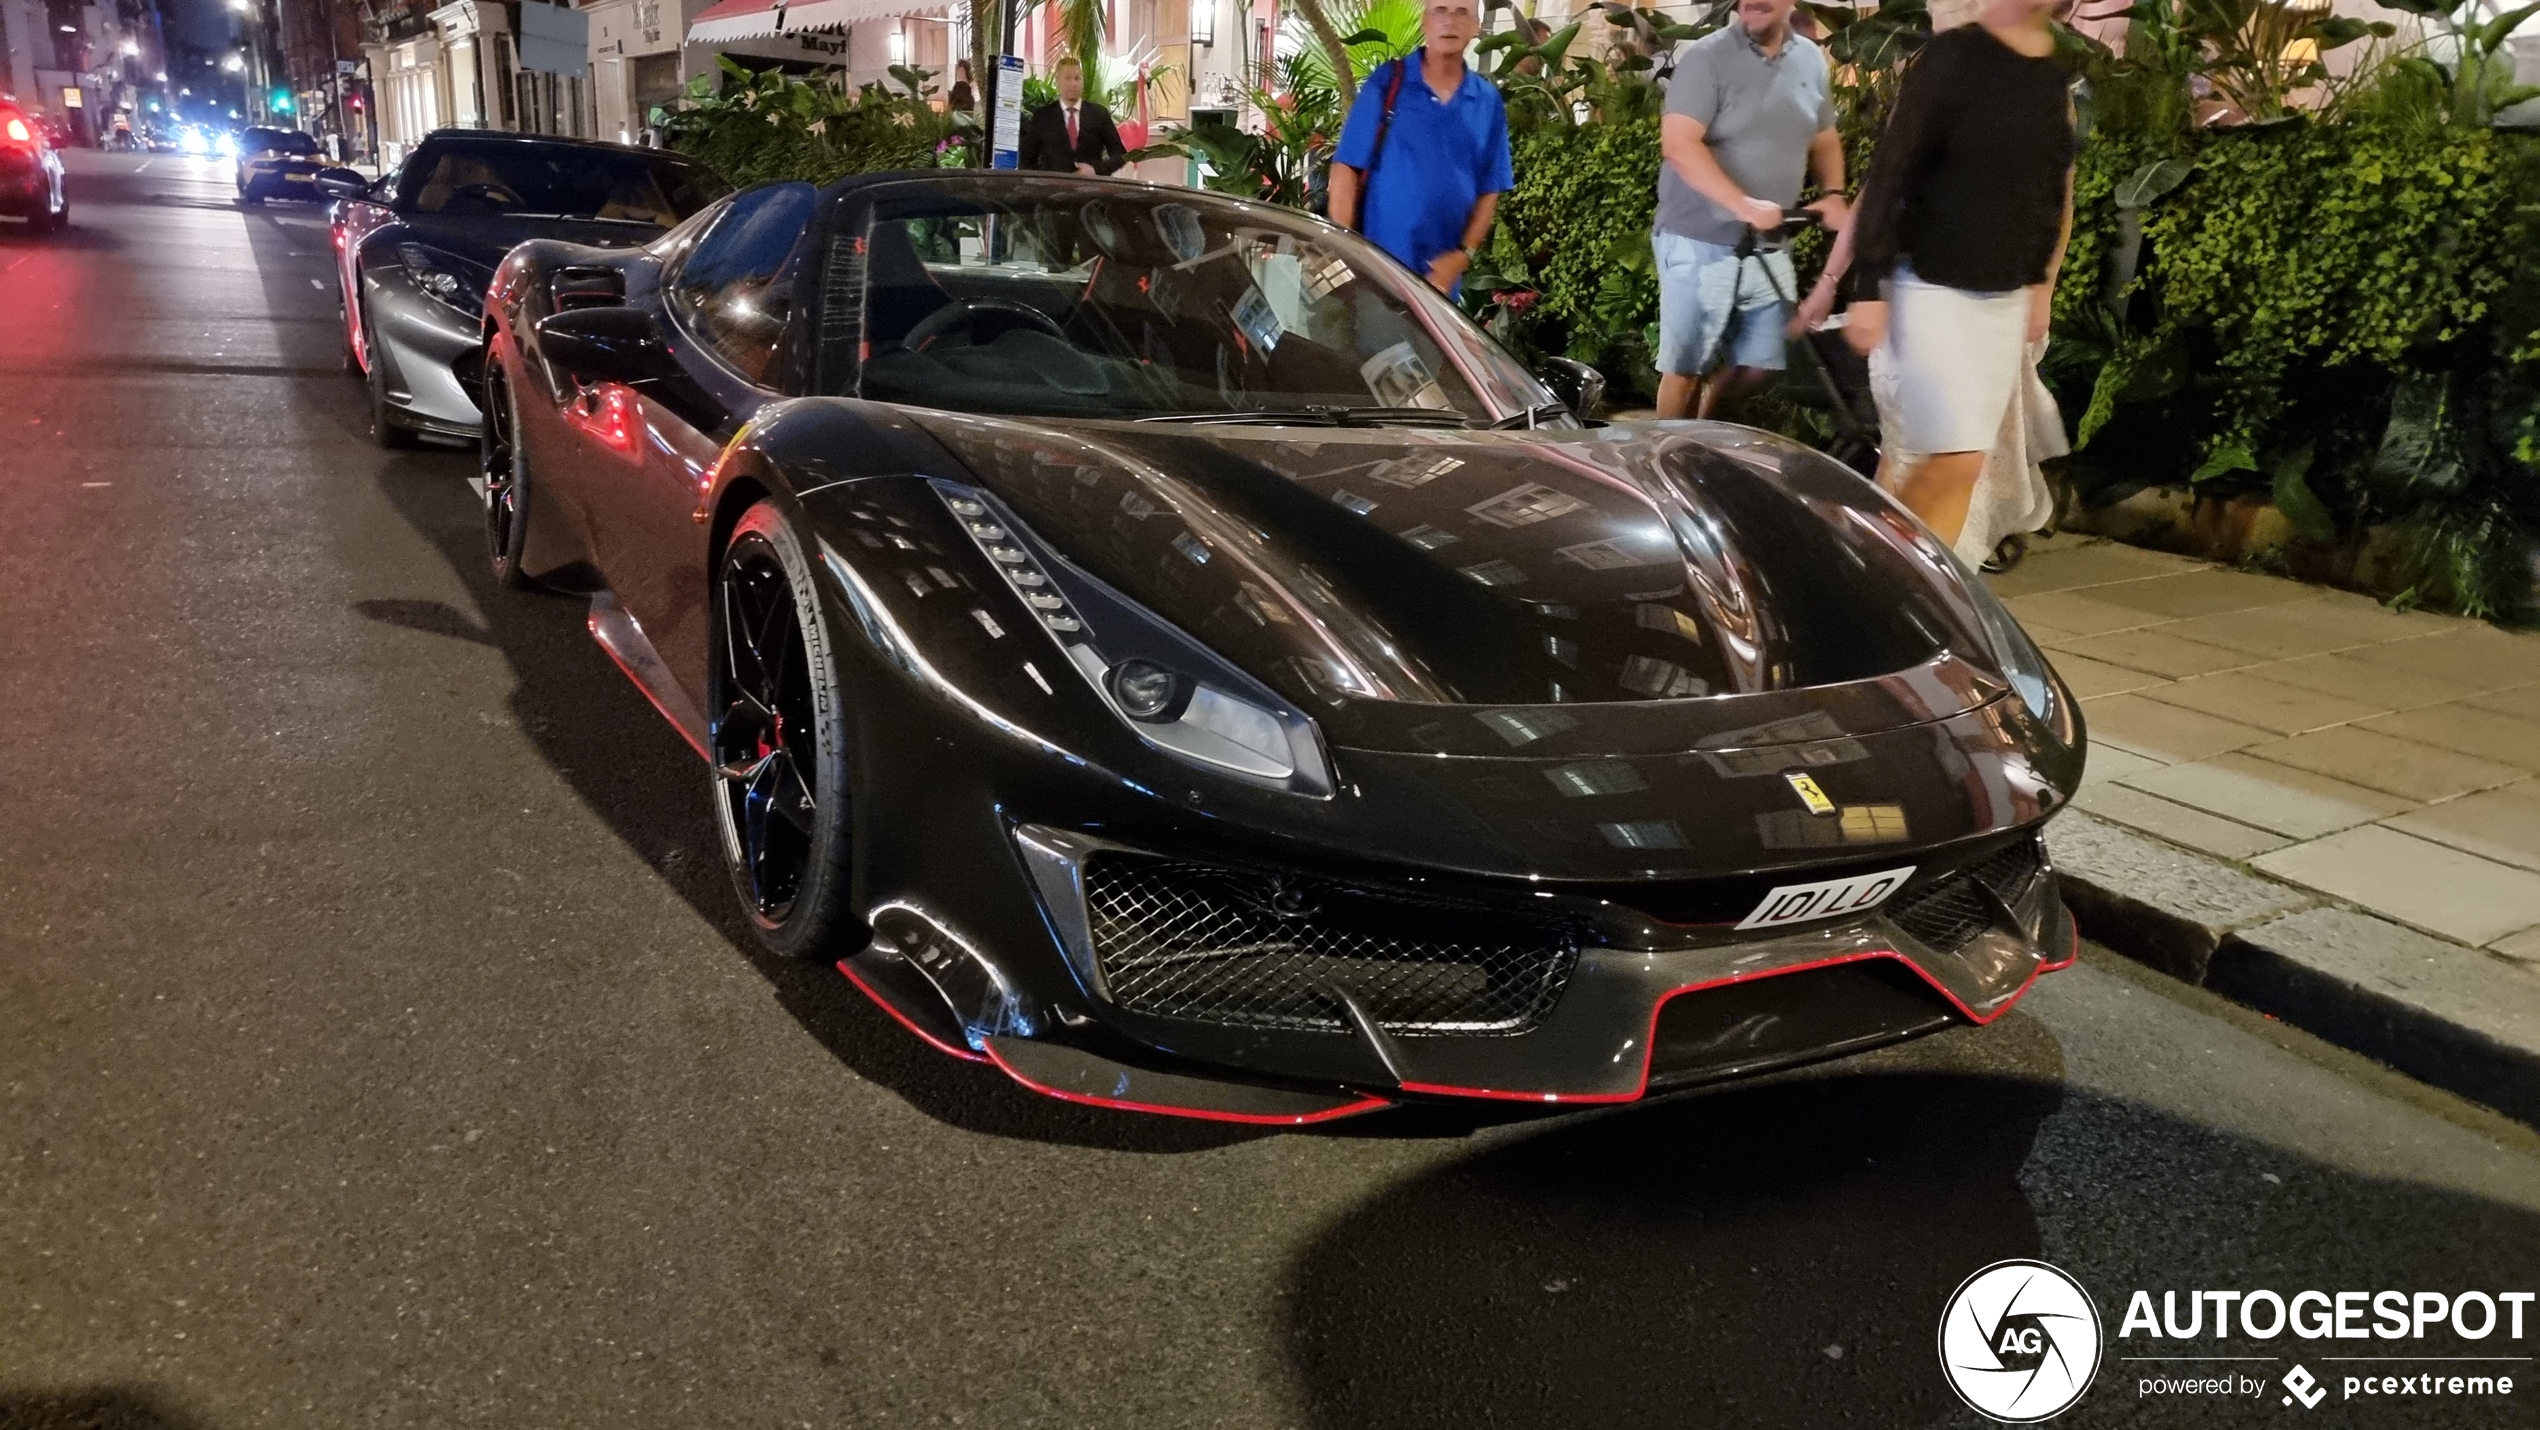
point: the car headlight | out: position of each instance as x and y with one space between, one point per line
1176 694
2023 664
456 282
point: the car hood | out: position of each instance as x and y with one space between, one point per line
1661 586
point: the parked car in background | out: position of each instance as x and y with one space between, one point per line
31 184
416 249
278 164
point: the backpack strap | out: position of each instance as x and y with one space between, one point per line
1384 126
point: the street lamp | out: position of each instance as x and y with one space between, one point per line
234 62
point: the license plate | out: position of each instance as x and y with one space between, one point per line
299 175
1796 903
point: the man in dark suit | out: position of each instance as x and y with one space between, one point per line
1075 135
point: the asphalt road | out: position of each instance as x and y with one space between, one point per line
378 1047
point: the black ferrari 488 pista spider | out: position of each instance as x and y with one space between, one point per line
1157 645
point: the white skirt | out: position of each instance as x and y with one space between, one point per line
1949 366
2011 496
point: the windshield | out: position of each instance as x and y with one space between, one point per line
1057 299
555 181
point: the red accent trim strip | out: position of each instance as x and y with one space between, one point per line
938 1044
1364 1104
592 624
1649 1039
2073 925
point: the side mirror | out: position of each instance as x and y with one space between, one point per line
611 344
342 184
1580 387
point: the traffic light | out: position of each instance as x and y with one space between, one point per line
282 101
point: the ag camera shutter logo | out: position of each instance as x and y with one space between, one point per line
2019 1342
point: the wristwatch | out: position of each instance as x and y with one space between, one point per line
1472 254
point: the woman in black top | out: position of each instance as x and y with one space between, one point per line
1954 246
963 97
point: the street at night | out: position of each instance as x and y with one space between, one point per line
381 1041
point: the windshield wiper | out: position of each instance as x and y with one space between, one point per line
583 218
1320 415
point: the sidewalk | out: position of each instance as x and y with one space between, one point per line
2364 784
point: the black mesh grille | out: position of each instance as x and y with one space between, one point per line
1183 940
1950 910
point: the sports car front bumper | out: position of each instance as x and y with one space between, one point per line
418 339
1199 1012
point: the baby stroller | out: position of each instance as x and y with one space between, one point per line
1824 373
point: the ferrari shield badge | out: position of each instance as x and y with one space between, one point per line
1809 795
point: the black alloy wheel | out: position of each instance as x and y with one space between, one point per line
505 472
385 427
778 739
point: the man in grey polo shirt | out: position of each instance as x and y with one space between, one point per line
1750 113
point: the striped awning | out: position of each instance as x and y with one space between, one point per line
765 19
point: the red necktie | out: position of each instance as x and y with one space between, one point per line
1071 128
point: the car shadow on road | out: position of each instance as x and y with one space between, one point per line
111 1407
632 770
1778 1254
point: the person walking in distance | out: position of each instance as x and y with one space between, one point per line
1072 134
1955 249
1750 113
1423 157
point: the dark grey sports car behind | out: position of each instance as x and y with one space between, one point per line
1155 644
416 249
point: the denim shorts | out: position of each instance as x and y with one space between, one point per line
1703 288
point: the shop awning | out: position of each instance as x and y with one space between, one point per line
762 19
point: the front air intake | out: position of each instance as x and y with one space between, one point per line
1177 939
1952 909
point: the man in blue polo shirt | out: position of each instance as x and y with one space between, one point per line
1429 180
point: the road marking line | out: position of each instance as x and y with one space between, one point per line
145 166
317 285
96 484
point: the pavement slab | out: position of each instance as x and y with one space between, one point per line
2499 824
2177 823
2415 881
2167 733
2155 652
2250 698
2363 682
2469 729
2410 769
2294 803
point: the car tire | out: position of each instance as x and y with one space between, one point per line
778 766
504 469
385 428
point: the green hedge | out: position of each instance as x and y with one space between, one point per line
2345 317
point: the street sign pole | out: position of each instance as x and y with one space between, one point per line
1005 133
